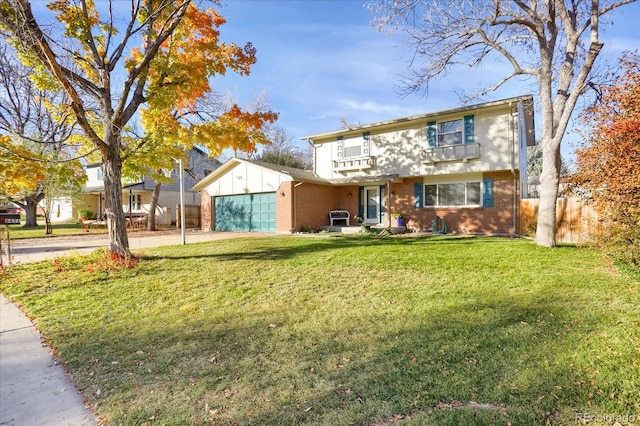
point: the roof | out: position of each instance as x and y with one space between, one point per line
299 175
426 116
296 174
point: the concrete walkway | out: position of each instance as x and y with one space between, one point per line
34 389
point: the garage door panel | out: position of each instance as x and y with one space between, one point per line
246 212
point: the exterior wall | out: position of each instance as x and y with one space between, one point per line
206 211
397 150
312 205
495 220
246 179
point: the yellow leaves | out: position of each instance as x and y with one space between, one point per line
20 170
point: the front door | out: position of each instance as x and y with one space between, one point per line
372 204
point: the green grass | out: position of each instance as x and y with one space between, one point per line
19 231
340 331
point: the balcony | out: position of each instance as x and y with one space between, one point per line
441 154
353 163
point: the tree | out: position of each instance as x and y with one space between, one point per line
607 162
284 152
174 50
37 139
555 42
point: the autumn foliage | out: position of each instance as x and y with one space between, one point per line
608 165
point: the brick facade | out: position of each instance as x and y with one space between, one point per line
495 220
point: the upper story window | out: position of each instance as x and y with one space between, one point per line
100 177
353 147
451 132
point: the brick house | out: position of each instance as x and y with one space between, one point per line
465 165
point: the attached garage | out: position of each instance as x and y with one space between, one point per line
245 212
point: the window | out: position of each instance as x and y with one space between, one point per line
135 201
450 133
452 194
100 177
353 147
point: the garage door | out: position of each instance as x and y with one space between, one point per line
246 212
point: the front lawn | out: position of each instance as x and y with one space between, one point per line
19 231
345 330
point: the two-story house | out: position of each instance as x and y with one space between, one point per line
465 165
137 193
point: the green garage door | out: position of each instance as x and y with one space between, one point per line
246 212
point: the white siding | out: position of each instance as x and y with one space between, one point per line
245 179
397 150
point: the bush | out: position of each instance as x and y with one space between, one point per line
85 214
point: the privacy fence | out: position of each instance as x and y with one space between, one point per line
576 221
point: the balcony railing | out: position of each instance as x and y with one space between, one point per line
439 154
353 163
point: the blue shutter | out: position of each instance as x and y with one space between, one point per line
366 137
468 129
417 194
431 134
360 202
487 192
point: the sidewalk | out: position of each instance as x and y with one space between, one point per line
34 389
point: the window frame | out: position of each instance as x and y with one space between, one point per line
428 194
348 145
440 134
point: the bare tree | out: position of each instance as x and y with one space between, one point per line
42 134
284 152
555 42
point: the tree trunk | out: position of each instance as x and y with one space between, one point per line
30 207
549 182
151 223
116 222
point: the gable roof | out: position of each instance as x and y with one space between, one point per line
432 115
294 173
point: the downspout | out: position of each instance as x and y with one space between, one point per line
293 204
513 169
389 204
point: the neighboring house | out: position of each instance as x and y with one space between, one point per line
136 195
465 165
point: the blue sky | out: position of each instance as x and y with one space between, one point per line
320 60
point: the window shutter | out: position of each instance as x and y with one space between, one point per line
431 134
360 202
340 146
417 194
366 137
487 192
468 129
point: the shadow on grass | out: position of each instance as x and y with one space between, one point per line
266 366
269 252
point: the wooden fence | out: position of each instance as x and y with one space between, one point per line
191 216
576 221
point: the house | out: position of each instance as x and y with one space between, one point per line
466 166
136 194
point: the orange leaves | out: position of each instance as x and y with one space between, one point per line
234 129
608 163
